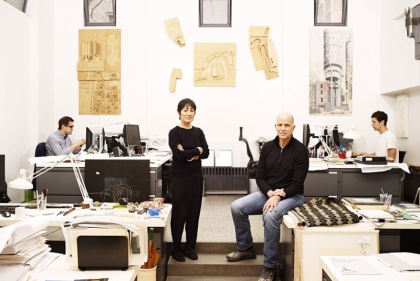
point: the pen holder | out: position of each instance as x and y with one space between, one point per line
41 202
342 155
386 198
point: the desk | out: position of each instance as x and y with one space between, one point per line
59 270
63 187
343 180
330 273
299 244
158 223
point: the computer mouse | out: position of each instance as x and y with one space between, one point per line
5 214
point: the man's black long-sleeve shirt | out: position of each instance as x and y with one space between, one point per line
283 168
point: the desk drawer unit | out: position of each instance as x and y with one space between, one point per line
359 184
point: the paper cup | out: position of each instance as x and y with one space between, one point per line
20 213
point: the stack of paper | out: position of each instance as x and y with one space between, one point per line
22 243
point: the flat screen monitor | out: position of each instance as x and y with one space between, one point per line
95 139
336 136
108 180
306 134
131 135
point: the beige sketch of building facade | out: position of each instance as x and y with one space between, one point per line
214 64
99 72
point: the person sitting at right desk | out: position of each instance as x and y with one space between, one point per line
58 143
387 144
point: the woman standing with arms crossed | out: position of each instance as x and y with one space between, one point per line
189 146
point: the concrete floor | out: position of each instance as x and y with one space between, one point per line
216 223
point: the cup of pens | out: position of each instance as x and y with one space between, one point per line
41 199
386 198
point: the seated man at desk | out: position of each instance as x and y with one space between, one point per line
58 143
387 143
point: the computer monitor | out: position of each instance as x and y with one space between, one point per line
131 134
306 134
95 139
109 180
336 136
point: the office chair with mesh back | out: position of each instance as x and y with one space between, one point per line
40 151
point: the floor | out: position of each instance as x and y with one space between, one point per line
216 223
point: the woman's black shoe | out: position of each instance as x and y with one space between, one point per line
191 255
178 256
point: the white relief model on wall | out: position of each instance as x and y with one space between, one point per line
331 72
263 51
214 64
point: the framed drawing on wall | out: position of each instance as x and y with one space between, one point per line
330 13
100 12
215 13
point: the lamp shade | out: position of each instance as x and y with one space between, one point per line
352 134
21 182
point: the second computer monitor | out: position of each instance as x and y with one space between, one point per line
95 139
131 135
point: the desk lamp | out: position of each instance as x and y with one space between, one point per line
352 134
23 180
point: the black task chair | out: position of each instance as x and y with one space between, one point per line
40 151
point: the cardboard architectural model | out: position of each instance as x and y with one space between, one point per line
99 72
176 74
214 64
263 51
173 28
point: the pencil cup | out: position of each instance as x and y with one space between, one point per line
147 274
41 202
386 198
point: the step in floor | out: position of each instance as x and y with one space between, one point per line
215 265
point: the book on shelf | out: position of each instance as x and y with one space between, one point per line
407 207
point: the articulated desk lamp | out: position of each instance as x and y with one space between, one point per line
23 181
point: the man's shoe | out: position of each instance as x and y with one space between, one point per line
268 274
178 256
242 255
191 255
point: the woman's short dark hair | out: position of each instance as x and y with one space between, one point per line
380 116
64 121
185 102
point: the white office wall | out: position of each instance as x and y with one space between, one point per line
148 57
14 89
399 69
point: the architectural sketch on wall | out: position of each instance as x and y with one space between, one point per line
215 13
263 51
214 64
331 72
100 12
173 28
412 24
99 71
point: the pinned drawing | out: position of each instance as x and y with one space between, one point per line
214 64
99 72
176 74
263 51
173 28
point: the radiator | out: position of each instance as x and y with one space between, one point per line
225 180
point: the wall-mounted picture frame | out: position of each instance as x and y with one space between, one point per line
330 13
215 13
100 12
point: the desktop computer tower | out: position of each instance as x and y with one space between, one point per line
3 186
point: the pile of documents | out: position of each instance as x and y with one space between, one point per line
22 243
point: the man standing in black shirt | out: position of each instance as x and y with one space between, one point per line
282 170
